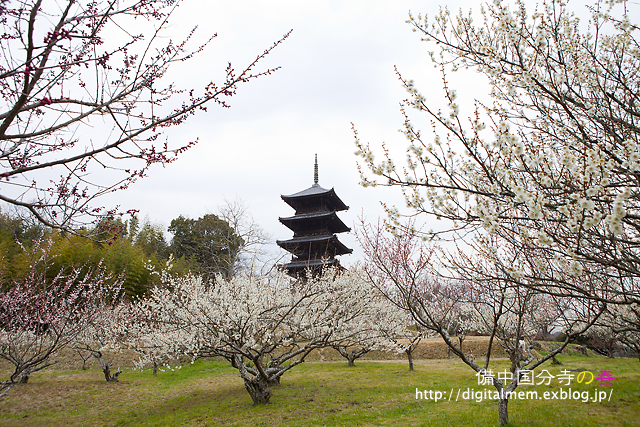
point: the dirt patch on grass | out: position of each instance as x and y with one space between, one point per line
70 359
429 348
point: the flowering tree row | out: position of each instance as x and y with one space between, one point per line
263 325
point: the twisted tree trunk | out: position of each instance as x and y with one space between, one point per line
351 356
107 373
106 369
254 382
258 389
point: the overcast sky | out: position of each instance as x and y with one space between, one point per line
337 67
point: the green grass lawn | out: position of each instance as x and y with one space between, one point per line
374 393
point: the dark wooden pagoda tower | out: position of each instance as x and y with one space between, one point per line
314 225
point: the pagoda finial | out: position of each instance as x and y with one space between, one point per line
315 172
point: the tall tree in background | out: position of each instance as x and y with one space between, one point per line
81 92
250 258
209 242
551 162
150 237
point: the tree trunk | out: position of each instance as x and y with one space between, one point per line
106 369
24 378
273 381
258 389
351 360
256 385
84 359
503 414
410 358
351 357
514 356
107 373
155 368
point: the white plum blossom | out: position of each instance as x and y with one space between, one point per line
544 239
263 325
556 156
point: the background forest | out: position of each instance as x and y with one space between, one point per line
132 248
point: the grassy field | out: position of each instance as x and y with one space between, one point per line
374 393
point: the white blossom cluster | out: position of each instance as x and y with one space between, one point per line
553 162
263 325
622 324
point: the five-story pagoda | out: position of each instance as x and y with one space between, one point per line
314 225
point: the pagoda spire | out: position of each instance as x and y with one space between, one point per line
315 172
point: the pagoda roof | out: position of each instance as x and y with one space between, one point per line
297 199
309 263
294 245
300 222
298 267
311 191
